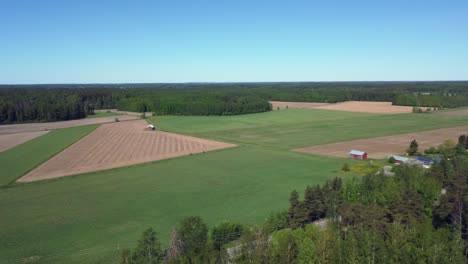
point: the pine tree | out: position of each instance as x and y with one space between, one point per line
292 211
413 148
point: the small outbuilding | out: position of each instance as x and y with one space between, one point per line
357 154
399 159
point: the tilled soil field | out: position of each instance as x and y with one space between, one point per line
8 141
283 105
147 114
33 127
368 107
382 147
118 145
350 106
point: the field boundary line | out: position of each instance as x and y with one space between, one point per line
14 182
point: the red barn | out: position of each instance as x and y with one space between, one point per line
357 154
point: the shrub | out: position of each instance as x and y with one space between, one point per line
225 233
345 167
391 160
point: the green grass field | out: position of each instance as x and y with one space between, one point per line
23 158
294 128
85 218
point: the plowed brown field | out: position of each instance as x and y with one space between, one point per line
382 147
282 105
118 145
32 127
350 106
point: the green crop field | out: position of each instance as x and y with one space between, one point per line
87 218
23 158
294 128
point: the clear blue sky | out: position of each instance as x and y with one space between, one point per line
81 41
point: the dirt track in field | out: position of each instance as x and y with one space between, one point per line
382 147
123 112
351 106
118 145
282 105
9 141
33 127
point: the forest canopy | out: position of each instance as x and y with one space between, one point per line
41 103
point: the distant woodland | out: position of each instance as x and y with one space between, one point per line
42 103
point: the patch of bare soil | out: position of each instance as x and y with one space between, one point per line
368 107
382 147
119 145
33 127
123 112
8 141
351 106
283 105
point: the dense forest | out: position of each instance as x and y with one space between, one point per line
41 103
416 216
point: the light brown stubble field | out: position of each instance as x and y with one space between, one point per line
382 147
350 106
119 145
8 141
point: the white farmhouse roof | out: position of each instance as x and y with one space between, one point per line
356 152
149 126
400 158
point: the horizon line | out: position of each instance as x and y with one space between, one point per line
228 82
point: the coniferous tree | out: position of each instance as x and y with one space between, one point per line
413 148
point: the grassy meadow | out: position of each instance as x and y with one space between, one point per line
87 218
295 128
17 161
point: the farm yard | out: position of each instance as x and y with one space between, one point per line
118 145
350 106
382 147
88 217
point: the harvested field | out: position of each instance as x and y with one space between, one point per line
352 106
282 105
9 141
118 145
33 127
382 147
368 107
123 112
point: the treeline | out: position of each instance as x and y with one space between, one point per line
41 103
34 105
416 216
191 242
192 102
